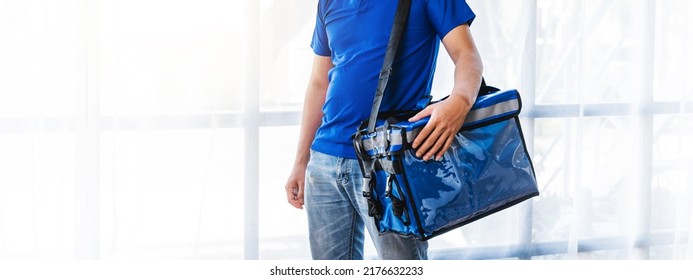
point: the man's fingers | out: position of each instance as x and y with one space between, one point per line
437 146
429 141
445 147
423 135
299 194
295 202
421 114
294 195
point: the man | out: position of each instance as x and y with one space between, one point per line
349 43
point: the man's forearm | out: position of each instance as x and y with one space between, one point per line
468 66
310 121
312 107
468 75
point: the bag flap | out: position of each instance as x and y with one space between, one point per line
487 109
493 107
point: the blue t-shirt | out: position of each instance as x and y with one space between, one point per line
354 33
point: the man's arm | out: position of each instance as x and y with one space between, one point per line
448 116
310 121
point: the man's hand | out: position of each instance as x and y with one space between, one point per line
294 186
446 120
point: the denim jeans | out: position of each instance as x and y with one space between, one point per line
337 213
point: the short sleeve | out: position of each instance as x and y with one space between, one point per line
445 15
320 44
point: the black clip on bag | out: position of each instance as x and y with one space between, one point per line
487 168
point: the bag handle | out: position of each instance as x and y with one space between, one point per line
401 16
484 89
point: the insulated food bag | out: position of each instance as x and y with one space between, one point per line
487 169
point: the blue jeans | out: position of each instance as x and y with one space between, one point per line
337 212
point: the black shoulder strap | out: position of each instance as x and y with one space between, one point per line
401 16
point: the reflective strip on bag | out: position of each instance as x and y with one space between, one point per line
490 113
381 145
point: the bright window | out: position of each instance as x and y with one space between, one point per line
166 129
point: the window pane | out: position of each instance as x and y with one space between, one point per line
185 59
668 252
587 174
37 196
38 58
667 176
608 188
172 194
671 181
589 51
554 167
285 54
557 45
283 229
672 50
499 31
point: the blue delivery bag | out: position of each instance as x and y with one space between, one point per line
487 169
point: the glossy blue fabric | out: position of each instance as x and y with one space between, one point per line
487 169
